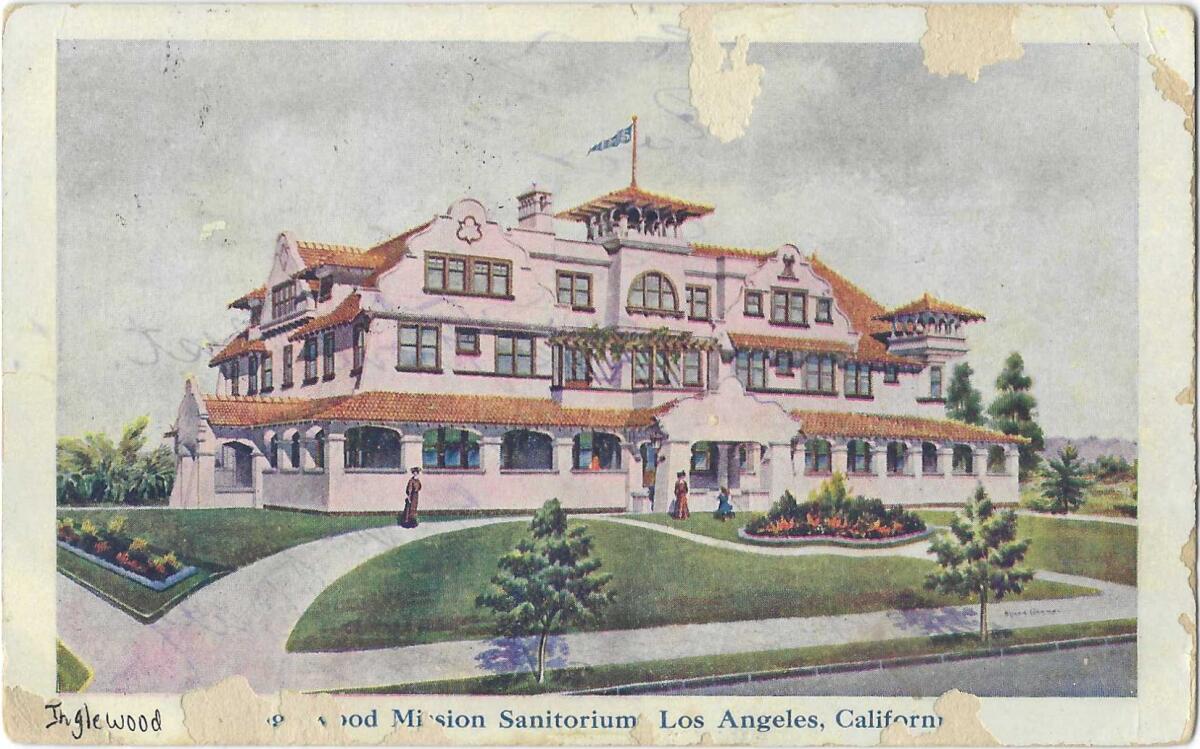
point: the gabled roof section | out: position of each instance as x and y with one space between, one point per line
634 196
238 346
391 251
244 301
745 253
835 424
862 311
346 312
929 303
428 408
316 254
755 341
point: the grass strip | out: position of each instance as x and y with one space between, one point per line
73 675
762 662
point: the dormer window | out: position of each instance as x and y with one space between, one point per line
283 299
789 307
824 312
653 292
467 275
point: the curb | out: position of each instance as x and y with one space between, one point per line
877 664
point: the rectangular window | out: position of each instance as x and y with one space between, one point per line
704 457
310 360
824 311
692 372
891 374
268 376
697 301
935 382
419 348
287 366
466 341
783 364
283 299
858 380
662 369
575 289
818 374
575 366
754 304
234 378
514 355
252 374
789 307
752 369
641 367
462 274
328 360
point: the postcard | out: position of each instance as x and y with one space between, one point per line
606 375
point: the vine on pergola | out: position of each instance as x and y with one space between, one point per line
608 343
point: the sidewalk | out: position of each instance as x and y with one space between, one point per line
240 624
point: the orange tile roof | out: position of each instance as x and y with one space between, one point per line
319 253
237 347
930 303
429 408
392 250
787 343
344 313
244 300
834 424
862 311
716 250
635 195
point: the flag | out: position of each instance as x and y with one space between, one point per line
622 136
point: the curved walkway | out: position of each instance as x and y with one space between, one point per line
1085 518
240 625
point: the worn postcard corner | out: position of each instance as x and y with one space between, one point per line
608 375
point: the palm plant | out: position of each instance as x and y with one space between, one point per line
92 468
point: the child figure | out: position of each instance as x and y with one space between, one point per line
724 507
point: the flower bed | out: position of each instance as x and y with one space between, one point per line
830 514
132 558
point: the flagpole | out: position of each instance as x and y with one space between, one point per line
633 176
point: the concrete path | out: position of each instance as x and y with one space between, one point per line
1085 518
240 624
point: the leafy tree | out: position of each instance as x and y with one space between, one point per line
1012 411
980 555
1064 481
963 401
547 582
95 469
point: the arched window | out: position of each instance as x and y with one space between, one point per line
653 291
372 447
318 450
295 451
858 456
996 460
523 450
360 346
596 451
449 447
234 466
929 458
964 459
897 457
273 451
817 456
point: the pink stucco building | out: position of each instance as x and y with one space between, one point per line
515 365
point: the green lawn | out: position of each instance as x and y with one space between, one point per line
216 541
73 675
425 591
1099 498
1106 551
597 677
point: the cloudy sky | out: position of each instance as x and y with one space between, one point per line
179 163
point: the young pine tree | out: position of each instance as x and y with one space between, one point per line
1064 483
547 582
1012 411
963 401
980 555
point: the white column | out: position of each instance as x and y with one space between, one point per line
489 454
336 488
778 475
980 463
677 456
410 450
563 454
722 464
206 464
878 467
257 466
946 458
838 456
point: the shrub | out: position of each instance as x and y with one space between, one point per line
830 511
93 468
1128 509
116 525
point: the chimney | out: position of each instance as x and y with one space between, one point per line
535 210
